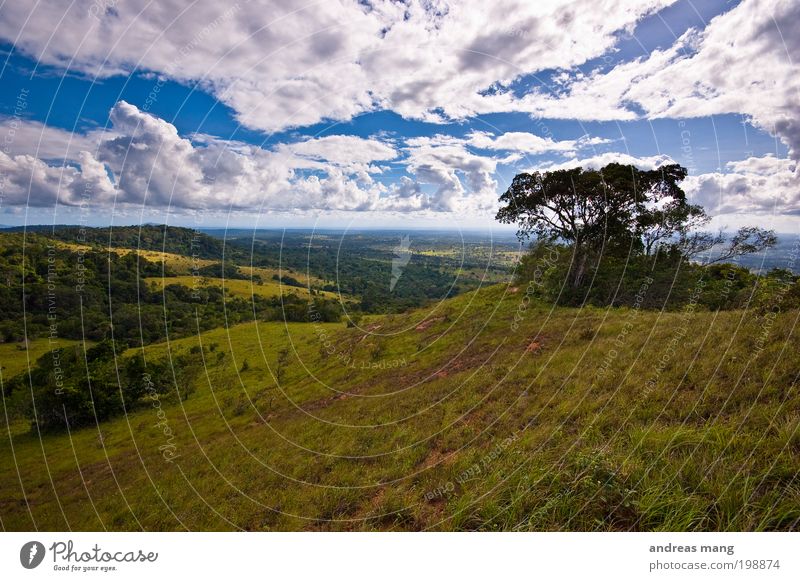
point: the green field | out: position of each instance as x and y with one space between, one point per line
266 275
177 263
484 412
235 287
16 357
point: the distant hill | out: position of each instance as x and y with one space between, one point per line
173 239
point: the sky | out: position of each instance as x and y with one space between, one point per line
369 114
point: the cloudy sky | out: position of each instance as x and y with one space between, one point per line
396 113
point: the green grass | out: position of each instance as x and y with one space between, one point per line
15 357
445 420
266 275
236 287
179 264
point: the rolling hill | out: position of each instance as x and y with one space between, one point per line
487 411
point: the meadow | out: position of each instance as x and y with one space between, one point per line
487 411
236 287
15 358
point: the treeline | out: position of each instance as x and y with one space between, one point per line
621 234
358 266
159 238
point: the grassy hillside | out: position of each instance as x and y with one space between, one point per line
15 357
485 412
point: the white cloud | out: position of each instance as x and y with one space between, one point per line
519 141
25 137
143 161
26 180
462 180
743 62
603 159
757 185
279 64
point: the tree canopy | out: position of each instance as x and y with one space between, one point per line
619 210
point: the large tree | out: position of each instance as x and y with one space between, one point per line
617 208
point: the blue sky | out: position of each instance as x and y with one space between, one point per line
144 117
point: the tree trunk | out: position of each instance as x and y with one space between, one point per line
579 268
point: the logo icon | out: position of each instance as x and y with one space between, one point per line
402 255
31 554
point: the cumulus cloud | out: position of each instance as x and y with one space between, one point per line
743 62
756 185
154 165
519 141
27 137
142 160
279 64
26 180
453 171
603 159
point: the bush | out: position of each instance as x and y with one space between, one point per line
72 388
668 279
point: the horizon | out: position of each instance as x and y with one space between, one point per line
501 228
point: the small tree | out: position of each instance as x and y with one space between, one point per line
747 240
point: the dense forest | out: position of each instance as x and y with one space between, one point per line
178 240
56 291
360 264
